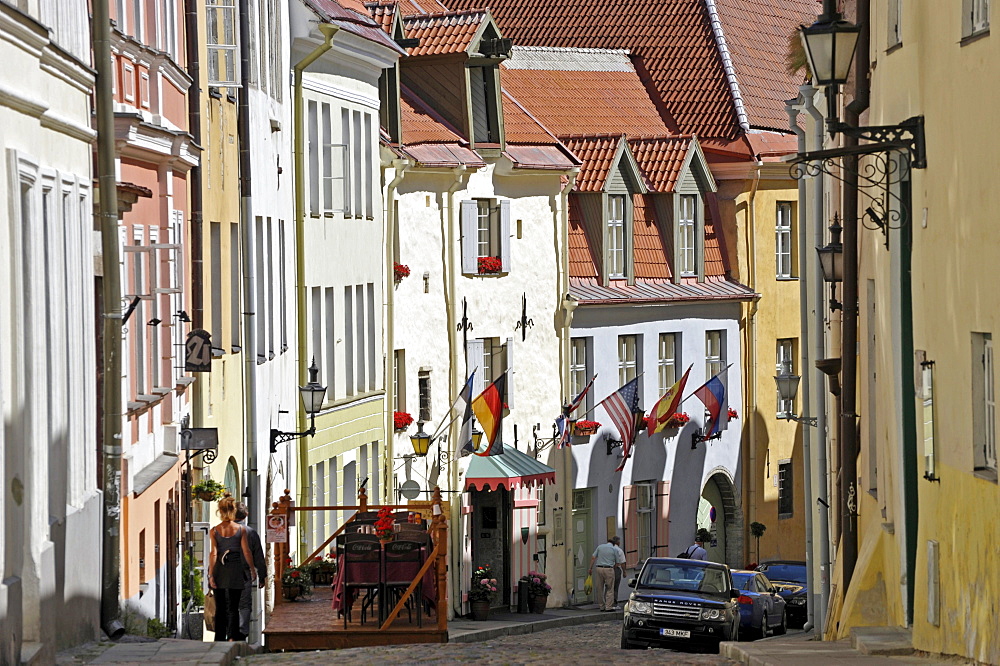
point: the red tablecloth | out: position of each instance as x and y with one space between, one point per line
369 572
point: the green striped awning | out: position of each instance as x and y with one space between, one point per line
510 469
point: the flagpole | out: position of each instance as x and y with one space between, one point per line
587 413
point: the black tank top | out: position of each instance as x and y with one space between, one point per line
229 572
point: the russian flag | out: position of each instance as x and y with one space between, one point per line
713 394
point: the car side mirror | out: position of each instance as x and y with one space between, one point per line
631 582
774 590
734 594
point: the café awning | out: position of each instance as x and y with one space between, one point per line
511 469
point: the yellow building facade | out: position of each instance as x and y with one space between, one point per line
927 317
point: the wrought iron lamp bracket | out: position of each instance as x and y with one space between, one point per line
697 437
279 437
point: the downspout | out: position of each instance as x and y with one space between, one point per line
568 305
399 171
255 505
197 249
749 372
328 31
804 279
450 285
111 390
818 397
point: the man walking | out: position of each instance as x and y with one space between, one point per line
260 564
619 567
697 551
605 559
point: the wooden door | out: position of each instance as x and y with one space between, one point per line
583 541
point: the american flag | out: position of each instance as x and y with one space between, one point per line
563 425
621 407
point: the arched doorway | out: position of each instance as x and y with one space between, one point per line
232 479
719 513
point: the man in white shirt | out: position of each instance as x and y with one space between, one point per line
620 568
606 560
697 551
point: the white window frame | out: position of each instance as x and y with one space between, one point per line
628 358
783 241
785 352
487 229
979 16
222 39
687 225
668 358
578 369
715 353
894 23
616 236
645 505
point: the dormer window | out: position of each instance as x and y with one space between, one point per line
687 226
484 87
616 237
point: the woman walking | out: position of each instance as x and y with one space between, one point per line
230 549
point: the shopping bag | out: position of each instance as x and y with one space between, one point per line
588 585
210 611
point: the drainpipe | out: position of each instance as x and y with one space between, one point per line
450 285
328 31
749 372
805 260
194 177
255 504
808 94
399 171
111 390
568 306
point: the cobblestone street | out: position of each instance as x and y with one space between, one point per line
585 644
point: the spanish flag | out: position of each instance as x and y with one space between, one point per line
489 411
667 405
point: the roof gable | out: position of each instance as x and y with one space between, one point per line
447 33
355 20
601 155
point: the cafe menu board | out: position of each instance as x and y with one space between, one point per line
277 528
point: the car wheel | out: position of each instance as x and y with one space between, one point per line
763 626
783 627
628 645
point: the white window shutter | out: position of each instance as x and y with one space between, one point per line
474 357
505 235
510 372
470 238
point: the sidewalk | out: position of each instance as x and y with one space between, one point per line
867 646
178 651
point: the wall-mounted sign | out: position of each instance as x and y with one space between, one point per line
198 351
199 439
277 528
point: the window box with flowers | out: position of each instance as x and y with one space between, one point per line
677 420
482 592
490 265
295 581
400 271
401 420
733 415
322 569
538 590
584 428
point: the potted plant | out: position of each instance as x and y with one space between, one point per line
385 525
490 265
584 428
733 414
538 591
677 420
322 569
400 271
482 592
401 420
757 531
208 490
296 581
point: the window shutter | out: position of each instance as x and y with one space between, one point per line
470 237
630 519
505 235
509 347
474 357
662 543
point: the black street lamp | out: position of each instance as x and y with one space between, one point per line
831 261
788 387
312 395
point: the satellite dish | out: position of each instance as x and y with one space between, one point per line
410 489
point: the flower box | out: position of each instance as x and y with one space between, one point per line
733 415
401 420
400 271
677 420
585 428
490 265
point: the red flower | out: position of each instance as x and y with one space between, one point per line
733 415
294 574
677 420
586 425
490 265
401 420
400 271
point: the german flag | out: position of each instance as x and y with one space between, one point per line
489 411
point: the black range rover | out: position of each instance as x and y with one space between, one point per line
677 601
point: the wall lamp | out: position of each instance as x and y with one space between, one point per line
788 386
312 395
421 442
831 260
639 417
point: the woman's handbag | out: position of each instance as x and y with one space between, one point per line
210 611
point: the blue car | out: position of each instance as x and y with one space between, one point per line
789 576
761 607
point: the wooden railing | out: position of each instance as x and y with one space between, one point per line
438 557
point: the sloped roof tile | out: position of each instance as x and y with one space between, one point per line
443 33
358 22
660 159
597 154
588 291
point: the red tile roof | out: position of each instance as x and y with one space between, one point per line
602 82
661 159
757 34
383 11
358 22
442 33
410 7
588 291
597 154
520 126
672 40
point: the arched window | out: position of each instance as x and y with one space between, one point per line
232 479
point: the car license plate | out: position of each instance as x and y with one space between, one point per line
676 633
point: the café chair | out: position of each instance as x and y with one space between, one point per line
403 559
358 551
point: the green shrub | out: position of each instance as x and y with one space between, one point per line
156 629
191 590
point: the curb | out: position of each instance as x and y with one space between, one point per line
533 627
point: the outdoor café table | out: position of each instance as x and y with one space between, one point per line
368 572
